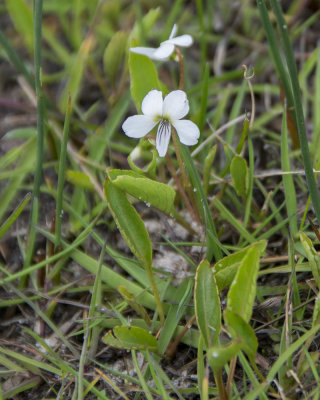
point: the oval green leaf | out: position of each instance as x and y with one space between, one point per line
80 179
226 268
130 338
151 192
241 330
207 304
243 288
143 76
239 175
129 223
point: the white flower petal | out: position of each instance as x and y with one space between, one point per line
173 32
146 51
164 51
152 104
183 41
187 131
138 126
163 138
175 105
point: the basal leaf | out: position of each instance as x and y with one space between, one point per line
218 357
243 288
207 304
226 269
130 338
129 223
239 175
80 179
240 329
143 76
151 192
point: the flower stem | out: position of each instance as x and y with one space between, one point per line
181 68
179 187
220 385
185 180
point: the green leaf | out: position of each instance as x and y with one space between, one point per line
239 175
143 76
226 269
131 338
153 193
129 223
218 357
80 179
207 304
243 288
312 256
240 329
207 167
114 55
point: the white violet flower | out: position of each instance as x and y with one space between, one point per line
166 48
165 112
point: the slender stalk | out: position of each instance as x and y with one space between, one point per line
180 188
40 137
220 385
181 68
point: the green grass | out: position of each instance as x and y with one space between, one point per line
126 275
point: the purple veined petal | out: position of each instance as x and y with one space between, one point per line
182 41
175 105
187 131
164 51
163 137
152 105
173 32
138 126
145 51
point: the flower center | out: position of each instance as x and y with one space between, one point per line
164 127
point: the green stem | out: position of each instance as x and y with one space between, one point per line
181 68
220 385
